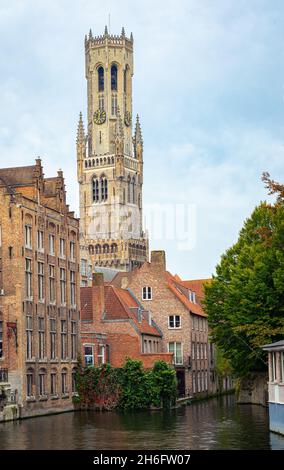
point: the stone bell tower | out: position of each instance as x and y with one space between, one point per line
110 159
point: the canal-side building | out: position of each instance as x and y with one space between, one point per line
115 326
110 160
178 313
276 385
39 292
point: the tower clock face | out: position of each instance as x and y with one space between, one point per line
127 118
99 116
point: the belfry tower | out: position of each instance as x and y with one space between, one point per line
109 159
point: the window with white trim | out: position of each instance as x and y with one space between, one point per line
147 293
40 241
72 251
28 276
62 251
89 355
174 321
51 244
101 354
40 281
176 348
62 286
52 338
29 333
28 236
52 293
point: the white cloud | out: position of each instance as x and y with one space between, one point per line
208 85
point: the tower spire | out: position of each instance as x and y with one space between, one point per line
106 31
138 139
80 131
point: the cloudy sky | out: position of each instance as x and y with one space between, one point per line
208 86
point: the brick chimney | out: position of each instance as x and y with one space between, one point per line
158 258
98 295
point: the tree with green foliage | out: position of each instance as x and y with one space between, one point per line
245 300
163 385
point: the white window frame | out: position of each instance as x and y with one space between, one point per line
28 275
51 244
89 355
102 355
62 248
175 318
40 281
40 241
175 353
28 236
72 251
147 293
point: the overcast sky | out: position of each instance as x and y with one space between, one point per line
208 86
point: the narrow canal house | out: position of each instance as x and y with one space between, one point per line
40 293
177 311
276 385
115 326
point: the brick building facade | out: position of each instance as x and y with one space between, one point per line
177 311
40 292
115 326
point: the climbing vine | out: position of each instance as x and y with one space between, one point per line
127 388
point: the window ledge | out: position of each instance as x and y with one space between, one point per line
53 361
32 359
31 399
54 397
44 359
174 327
52 303
65 395
43 398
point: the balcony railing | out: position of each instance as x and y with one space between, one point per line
3 375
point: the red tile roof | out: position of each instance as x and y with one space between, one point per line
197 285
119 305
181 292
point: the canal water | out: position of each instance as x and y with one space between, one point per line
212 424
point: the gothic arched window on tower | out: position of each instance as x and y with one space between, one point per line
114 77
101 79
96 195
104 189
133 190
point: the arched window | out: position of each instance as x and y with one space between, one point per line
133 190
101 79
105 248
91 249
104 189
98 249
96 195
114 77
114 248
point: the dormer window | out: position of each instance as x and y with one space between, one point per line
192 297
147 293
